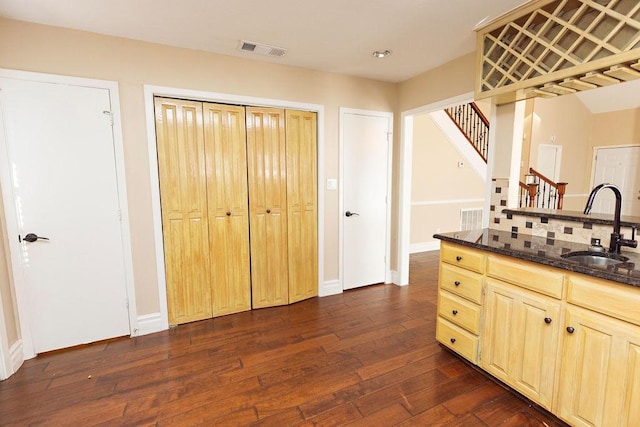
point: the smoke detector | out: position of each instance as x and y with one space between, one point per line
261 49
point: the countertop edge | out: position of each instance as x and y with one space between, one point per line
551 262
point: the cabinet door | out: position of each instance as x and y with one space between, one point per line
183 185
268 206
302 203
520 340
224 134
600 374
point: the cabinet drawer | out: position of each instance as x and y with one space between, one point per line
461 282
602 296
538 278
457 339
462 257
459 311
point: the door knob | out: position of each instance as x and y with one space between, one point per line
349 213
32 237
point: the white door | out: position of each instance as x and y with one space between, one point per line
619 166
549 157
366 149
60 155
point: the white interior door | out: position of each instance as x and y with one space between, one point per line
366 146
549 157
63 186
619 166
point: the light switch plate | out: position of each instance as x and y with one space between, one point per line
332 184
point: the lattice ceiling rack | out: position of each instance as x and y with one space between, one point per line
555 47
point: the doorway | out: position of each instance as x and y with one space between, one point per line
65 204
366 165
619 166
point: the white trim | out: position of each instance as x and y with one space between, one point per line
149 324
395 278
389 117
149 92
330 287
446 202
10 214
406 150
424 247
15 354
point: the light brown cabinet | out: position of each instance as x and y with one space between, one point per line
567 341
600 375
460 299
520 339
226 201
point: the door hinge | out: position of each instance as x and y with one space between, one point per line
110 115
119 215
126 302
389 136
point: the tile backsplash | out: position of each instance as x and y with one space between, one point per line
568 229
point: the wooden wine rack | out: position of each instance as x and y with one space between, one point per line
555 47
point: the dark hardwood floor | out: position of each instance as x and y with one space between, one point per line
367 357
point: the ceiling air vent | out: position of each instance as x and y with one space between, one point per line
261 49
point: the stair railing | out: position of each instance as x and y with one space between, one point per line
549 194
527 197
473 124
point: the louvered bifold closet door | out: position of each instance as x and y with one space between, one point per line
183 188
267 174
302 204
225 140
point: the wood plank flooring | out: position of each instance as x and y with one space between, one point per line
367 357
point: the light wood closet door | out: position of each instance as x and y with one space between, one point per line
267 174
183 188
225 141
302 204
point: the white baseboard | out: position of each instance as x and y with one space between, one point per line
331 287
148 324
395 278
16 356
424 247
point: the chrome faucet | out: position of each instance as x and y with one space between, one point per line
616 238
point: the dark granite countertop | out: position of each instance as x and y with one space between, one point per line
544 251
592 218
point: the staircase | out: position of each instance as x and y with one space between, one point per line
541 192
473 124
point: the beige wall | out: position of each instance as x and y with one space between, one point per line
616 128
437 178
579 132
39 48
31 47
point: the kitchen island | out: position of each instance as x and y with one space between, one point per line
563 333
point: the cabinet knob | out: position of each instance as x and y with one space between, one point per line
268 210
453 340
547 320
228 213
458 258
455 312
457 283
571 329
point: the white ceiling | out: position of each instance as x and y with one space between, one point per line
622 96
328 35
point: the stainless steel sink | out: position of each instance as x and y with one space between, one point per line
596 258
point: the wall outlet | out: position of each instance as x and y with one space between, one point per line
460 164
